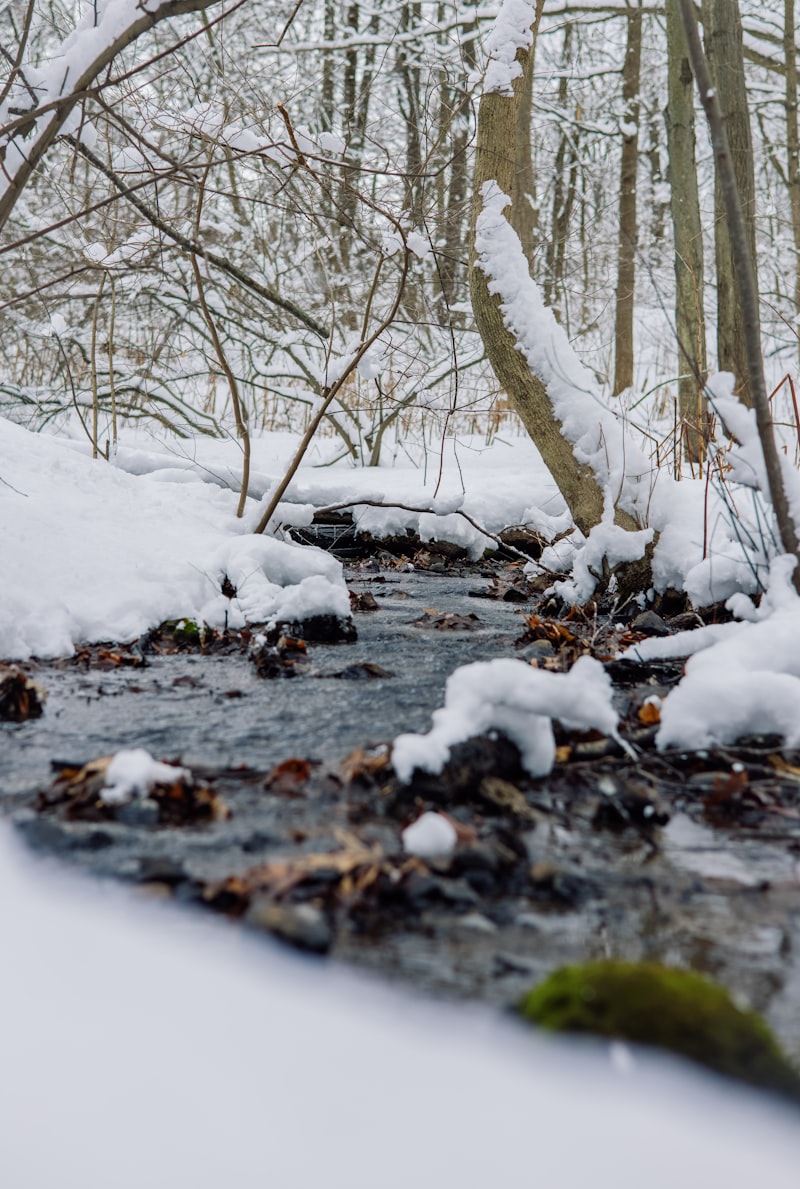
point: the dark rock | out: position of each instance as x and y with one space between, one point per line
138 812
362 671
20 697
650 623
485 755
160 869
58 837
323 629
537 650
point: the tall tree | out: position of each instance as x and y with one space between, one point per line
629 161
688 239
722 32
792 139
495 164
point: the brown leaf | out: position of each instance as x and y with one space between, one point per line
364 765
649 713
362 601
446 621
288 777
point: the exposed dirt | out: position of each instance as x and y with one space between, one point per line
292 820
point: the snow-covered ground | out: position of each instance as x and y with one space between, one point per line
144 1046
95 551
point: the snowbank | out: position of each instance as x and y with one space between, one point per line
93 553
742 678
144 1046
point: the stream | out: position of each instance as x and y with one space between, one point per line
608 857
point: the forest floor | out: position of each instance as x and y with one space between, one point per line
293 818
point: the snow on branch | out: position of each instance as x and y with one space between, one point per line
597 436
512 31
43 104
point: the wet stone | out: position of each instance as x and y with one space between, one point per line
140 812
301 925
651 624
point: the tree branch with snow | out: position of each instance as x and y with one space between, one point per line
28 129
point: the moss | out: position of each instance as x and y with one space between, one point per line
183 633
667 1008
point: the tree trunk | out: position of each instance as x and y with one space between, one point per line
792 140
722 32
523 192
565 172
626 258
495 160
688 239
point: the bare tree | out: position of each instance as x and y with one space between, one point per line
688 240
629 164
722 35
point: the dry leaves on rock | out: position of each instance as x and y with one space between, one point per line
78 792
344 873
441 621
20 697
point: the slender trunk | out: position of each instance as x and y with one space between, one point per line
792 140
745 278
564 179
523 193
626 256
722 30
688 239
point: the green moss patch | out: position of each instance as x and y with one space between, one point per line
667 1008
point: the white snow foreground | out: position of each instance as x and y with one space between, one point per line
742 678
510 696
92 553
144 1046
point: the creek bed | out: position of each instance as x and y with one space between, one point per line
576 872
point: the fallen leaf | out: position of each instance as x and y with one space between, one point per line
288 777
649 713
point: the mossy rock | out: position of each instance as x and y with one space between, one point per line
185 634
667 1008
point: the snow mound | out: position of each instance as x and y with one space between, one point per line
742 678
193 1050
93 553
133 773
432 835
509 696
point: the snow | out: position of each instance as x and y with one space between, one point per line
133 773
91 553
175 1050
511 31
742 678
512 697
431 836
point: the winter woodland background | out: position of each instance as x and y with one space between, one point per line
231 207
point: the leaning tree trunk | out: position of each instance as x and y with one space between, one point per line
722 34
690 325
626 254
495 159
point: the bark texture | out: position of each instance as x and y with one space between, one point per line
495 160
629 163
722 29
792 138
688 240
